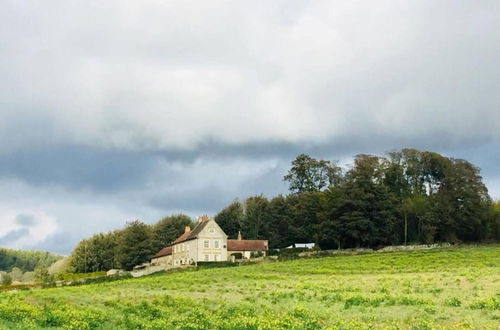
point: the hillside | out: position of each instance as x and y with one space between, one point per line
25 260
456 287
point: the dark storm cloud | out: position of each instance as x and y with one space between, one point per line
78 167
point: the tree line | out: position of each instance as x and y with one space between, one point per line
25 261
406 197
127 247
409 196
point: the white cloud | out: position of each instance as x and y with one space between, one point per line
40 227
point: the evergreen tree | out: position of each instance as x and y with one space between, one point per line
230 218
168 229
135 245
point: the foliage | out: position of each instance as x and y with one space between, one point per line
230 218
166 230
43 276
135 245
138 242
410 196
308 174
25 260
5 279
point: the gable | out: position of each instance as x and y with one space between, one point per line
212 229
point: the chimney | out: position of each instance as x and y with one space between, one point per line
239 236
187 229
203 218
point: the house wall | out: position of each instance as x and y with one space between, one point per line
165 260
184 252
216 240
245 254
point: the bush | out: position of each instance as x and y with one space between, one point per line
5 279
292 253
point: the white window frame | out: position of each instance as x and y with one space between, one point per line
207 257
216 244
206 244
215 257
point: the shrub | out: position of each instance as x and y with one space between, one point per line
453 302
5 279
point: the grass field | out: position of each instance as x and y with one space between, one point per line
450 288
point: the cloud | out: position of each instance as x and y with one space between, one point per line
24 228
156 76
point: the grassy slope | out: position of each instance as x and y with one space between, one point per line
428 289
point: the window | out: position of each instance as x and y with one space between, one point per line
206 244
206 257
216 244
212 230
216 257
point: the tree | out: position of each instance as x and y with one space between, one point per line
462 202
135 245
5 279
305 209
28 277
365 207
168 229
230 218
278 219
16 274
25 260
42 275
253 225
309 174
493 222
96 253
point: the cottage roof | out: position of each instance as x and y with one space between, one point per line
193 233
246 245
164 252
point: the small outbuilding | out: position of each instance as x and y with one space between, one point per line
163 257
246 249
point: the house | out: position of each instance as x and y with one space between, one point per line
207 242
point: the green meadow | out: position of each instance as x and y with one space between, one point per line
457 288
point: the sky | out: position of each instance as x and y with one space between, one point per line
112 111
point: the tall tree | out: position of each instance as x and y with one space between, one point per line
365 205
135 245
462 202
166 230
253 225
278 219
230 218
305 210
310 174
